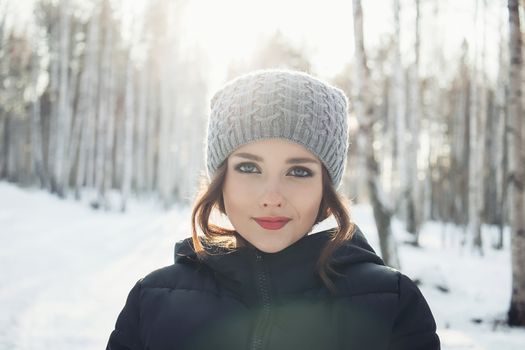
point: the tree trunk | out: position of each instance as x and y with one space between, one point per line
3 143
3 112
53 113
152 130
501 144
413 216
64 110
142 130
76 123
37 145
475 146
102 132
364 111
15 155
516 313
400 184
165 150
110 100
129 117
460 141
88 104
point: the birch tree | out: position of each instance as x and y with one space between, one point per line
37 146
15 74
501 145
78 42
412 192
3 68
152 129
460 95
52 18
474 187
84 133
79 130
129 121
64 109
484 154
104 129
364 112
109 101
166 101
88 101
399 110
142 109
516 313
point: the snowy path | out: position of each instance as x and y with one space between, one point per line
67 269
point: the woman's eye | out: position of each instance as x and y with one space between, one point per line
300 172
246 168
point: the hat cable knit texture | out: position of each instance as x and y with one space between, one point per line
279 104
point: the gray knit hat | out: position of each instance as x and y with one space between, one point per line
279 104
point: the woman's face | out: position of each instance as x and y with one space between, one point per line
272 192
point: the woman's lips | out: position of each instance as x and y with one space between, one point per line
272 223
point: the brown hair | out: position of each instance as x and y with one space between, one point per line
211 198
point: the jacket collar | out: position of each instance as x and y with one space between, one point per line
289 272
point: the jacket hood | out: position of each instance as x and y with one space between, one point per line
355 251
291 270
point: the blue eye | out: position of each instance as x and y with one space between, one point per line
246 168
251 168
300 172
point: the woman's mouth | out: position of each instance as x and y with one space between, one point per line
272 223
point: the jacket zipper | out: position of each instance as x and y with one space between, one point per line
264 295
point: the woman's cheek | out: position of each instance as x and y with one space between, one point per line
245 183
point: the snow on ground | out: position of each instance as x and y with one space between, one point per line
67 270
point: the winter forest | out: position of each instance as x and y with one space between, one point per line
104 103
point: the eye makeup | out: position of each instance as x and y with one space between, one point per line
252 168
239 167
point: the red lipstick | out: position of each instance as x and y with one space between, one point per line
272 223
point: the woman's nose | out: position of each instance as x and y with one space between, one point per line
272 198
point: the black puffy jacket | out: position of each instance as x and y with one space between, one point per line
249 300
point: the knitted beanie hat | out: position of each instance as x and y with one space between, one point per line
279 104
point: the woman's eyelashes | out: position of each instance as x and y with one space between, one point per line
301 172
251 168
247 168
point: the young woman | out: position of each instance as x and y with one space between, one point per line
276 151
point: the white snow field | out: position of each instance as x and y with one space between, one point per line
66 271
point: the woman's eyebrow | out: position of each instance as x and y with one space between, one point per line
248 156
299 160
